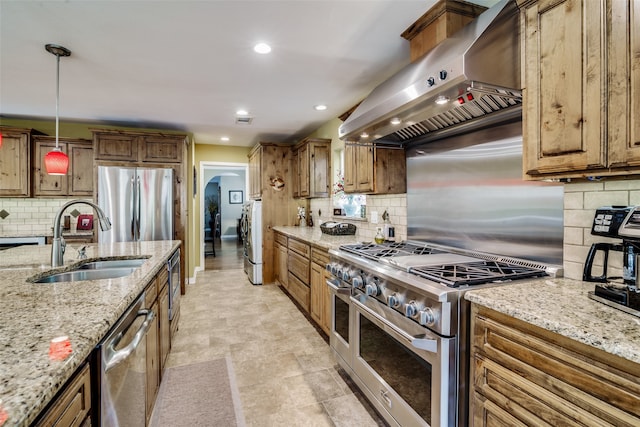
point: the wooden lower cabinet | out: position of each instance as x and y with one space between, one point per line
73 406
164 326
153 366
524 375
299 291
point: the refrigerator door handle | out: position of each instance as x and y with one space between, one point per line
132 208
137 212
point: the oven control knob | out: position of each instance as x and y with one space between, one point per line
410 309
346 274
394 300
371 289
329 267
357 281
427 317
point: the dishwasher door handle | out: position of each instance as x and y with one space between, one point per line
115 357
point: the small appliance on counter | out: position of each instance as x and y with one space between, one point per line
616 290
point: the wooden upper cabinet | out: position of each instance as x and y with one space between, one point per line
623 46
374 170
313 163
79 179
127 146
581 79
255 173
15 161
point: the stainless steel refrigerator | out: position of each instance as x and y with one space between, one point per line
139 202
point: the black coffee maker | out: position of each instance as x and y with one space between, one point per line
618 222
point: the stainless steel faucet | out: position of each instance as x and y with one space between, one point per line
58 244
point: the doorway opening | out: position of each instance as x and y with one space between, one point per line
223 192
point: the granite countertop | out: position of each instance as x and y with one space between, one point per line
315 236
563 307
32 314
49 233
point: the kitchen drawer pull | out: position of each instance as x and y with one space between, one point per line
427 344
115 357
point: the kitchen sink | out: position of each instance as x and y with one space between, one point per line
88 274
112 263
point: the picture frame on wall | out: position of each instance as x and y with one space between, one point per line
235 197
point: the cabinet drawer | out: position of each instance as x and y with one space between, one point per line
298 246
281 239
299 266
299 291
162 279
73 405
319 256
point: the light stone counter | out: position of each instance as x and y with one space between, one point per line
315 236
32 314
562 306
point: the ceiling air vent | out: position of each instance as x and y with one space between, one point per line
244 120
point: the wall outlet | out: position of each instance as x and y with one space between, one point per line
374 217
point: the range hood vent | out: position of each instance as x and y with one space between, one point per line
467 82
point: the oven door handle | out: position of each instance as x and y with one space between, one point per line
337 289
420 342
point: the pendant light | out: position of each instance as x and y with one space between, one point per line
56 162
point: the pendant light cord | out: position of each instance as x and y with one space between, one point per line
57 99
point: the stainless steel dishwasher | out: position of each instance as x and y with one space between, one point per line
121 360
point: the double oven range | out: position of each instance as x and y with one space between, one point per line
400 323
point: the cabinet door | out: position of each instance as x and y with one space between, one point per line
161 149
295 174
116 147
564 124
255 174
623 47
164 326
364 169
73 406
350 168
80 179
303 170
15 174
319 176
153 370
44 184
316 306
282 266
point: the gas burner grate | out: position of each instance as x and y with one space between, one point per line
376 251
475 273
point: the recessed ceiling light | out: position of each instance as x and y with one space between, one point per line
320 107
242 113
262 48
224 138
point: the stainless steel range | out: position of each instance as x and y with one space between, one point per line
399 323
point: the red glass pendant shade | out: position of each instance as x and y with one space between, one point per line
56 162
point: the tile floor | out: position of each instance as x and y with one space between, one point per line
284 370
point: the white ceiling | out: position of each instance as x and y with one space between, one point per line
189 65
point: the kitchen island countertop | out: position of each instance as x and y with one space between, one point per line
32 314
562 306
315 236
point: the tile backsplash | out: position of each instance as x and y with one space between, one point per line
34 216
581 199
394 204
